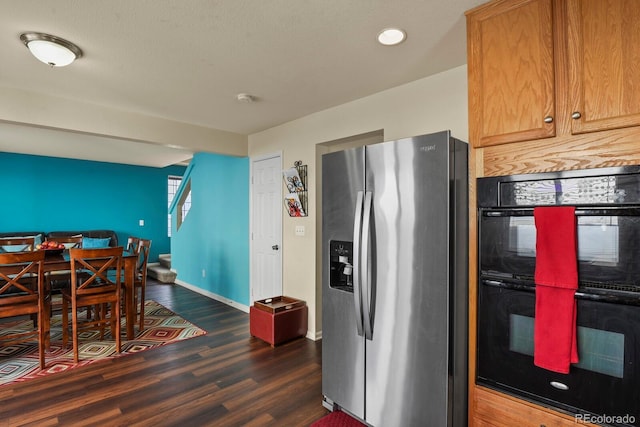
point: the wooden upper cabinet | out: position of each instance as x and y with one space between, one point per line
511 72
545 68
604 64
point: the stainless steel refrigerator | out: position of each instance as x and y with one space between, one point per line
395 291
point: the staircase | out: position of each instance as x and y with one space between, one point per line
161 271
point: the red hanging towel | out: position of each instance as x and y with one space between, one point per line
556 278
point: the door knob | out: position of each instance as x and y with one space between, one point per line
275 247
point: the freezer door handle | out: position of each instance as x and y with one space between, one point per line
357 229
365 273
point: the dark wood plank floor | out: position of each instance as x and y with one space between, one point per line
225 378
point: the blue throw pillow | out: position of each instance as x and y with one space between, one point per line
93 243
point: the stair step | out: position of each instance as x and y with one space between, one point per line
165 260
160 273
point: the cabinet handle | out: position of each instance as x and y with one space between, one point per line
548 119
576 115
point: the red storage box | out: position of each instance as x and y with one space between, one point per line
278 319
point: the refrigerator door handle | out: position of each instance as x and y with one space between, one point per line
357 229
365 279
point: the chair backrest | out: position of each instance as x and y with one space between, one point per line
144 248
17 244
95 270
70 241
21 282
132 244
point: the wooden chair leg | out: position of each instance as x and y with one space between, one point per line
76 352
135 300
46 324
42 336
101 316
142 299
115 312
65 322
46 320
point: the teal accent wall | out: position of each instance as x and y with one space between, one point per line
214 236
55 194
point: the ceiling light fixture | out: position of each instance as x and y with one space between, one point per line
391 36
51 50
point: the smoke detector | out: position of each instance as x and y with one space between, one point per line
245 97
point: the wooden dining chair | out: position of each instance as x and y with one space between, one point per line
17 244
140 280
22 292
57 280
132 244
95 282
69 241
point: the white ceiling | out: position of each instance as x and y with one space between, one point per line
186 60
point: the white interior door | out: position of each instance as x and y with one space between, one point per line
266 227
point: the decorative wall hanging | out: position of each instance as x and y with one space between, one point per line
295 178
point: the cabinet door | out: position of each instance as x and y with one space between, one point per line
511 72
604 64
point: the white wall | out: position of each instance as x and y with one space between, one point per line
428 105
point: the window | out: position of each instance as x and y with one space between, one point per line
185 204
174 184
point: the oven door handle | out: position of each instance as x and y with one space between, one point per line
527 287
614 297
591 211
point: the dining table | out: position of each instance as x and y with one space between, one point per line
60 261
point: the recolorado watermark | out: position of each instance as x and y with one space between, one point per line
604 419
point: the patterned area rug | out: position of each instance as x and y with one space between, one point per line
20 362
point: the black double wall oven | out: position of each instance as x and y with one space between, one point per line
604 387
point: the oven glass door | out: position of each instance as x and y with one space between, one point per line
608 245
606 380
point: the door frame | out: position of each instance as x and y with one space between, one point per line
253 160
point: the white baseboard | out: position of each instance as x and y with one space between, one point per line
314 336
214 296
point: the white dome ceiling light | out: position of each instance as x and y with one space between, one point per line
51 50
391 36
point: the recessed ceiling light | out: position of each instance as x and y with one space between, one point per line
51 50
391 36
